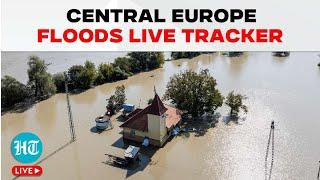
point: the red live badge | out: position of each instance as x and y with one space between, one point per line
26 170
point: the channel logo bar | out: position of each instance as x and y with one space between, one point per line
26 148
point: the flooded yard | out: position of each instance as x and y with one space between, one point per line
286 90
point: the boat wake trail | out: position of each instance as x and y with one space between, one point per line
270 147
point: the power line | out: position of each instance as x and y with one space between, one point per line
71 124
270 142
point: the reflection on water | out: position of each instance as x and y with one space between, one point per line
283 90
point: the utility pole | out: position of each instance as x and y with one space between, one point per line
319 171
71 124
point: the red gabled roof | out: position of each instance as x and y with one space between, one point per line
173 116
134 112
157 107
138 119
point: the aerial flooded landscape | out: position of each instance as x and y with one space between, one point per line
251 115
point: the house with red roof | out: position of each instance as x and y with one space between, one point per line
154 123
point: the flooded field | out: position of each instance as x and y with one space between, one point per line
285 90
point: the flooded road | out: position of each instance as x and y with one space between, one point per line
284 90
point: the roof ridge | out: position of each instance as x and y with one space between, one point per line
142 110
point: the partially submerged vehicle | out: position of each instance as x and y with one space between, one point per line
281 54
232 54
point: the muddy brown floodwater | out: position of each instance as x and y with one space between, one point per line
286 90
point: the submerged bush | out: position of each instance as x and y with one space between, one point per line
235 102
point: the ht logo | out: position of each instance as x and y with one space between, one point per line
26 147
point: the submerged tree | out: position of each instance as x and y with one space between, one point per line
82 77
123 63
116 101
156 60
59 81
235 102
12 91
40 80
111 106
143 61
75 74
90 73
120 96
120 74
196 93
105 73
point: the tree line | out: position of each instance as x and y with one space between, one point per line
41 84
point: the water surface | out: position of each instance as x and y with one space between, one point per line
284 90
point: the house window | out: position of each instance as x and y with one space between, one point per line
132 133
